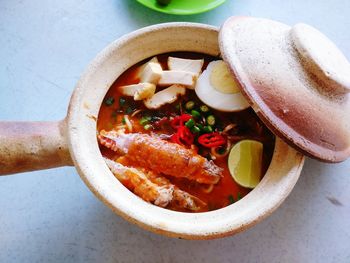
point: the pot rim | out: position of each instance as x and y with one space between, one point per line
84 106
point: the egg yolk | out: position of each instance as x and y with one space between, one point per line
221 79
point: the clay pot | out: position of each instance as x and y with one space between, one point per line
72 141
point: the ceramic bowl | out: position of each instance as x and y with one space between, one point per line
73 140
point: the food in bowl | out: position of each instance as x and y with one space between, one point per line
168 126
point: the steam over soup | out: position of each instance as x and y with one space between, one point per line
177 132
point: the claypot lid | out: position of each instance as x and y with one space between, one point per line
295 79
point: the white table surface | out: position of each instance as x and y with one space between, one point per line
51 216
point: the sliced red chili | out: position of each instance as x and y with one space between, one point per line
183 136
213 139
179 121
175 138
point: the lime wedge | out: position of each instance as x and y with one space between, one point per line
245 163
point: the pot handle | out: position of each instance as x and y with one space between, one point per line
29 146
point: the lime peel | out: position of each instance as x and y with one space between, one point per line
245 163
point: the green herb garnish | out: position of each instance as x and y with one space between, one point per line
144 121
122 102
211 120
129 110
195 129
190 123
207 129
200 126
195 114
109 101
231 199
204 108
148 127
189 105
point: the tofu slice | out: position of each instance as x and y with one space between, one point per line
142 67
151 73
145 92
154 60
191 65
185 78
139 91
165 96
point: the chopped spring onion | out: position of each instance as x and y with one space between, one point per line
195 129
200 126
195 114
148 127
231 199
189 105
190 123
144 120
109 101
204 108
122 102
211 120
129 110
207 129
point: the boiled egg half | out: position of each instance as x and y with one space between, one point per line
217 88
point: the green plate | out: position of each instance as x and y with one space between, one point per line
183 7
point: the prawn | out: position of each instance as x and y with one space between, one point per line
161 156
153 188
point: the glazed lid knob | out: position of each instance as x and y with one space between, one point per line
322 59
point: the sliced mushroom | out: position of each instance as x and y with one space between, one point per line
185 78
168 95
191 65
139 91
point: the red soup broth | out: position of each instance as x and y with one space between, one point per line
249 126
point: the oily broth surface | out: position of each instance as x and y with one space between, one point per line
227 190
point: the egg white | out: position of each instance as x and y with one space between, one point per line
214 98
